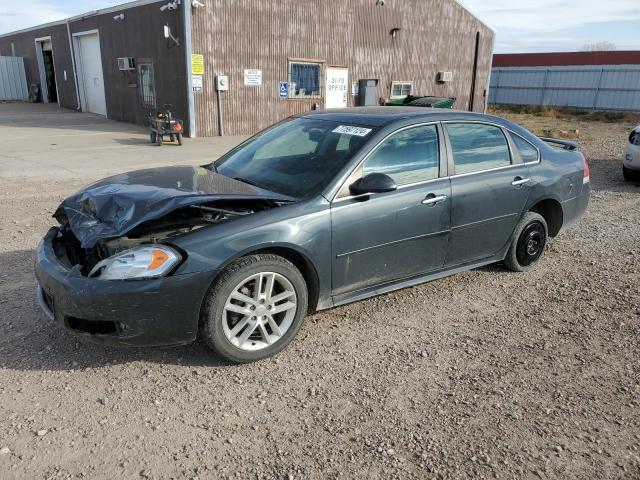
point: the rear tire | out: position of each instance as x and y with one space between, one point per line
528 243
243 325
152 137
630 175
179 137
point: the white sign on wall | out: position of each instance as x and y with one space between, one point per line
337 87
253 78
196 83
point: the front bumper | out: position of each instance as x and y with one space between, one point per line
161 311
632 157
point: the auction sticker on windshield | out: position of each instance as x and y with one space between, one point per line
349 130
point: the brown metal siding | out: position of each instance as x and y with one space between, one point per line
139 35
240 34
25 46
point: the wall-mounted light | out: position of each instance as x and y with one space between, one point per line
119 17
169 36
379 3
171 5
394 32
197 4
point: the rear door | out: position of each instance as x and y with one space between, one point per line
378 238
489 190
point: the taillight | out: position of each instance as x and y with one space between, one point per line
176 127
585 177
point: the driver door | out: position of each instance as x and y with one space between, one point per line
382 237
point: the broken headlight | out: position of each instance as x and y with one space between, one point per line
149 261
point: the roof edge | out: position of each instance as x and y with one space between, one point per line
92 13
474 15
553 59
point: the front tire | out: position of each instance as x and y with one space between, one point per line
630 175
528 243
254 309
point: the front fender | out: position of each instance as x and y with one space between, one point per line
304 228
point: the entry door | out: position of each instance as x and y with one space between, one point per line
91 78
489 190
378 238
337 88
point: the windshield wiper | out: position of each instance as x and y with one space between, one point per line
250 182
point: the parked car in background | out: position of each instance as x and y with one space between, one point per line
631 162
319 210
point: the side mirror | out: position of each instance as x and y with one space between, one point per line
373 183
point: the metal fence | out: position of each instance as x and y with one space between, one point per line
606 87
13 82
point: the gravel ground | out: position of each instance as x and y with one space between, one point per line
487 374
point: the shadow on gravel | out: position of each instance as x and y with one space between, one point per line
30 341
606 175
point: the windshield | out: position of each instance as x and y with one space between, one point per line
297 157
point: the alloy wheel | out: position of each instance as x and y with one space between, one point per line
259 311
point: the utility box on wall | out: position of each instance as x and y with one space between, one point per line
444 77
367 92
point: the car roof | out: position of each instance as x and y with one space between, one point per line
381 116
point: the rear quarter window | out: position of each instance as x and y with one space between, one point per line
528 153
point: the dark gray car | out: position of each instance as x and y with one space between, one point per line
319 210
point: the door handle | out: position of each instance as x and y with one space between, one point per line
432 199
520 181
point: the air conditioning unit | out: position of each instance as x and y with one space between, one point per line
445 76
126 63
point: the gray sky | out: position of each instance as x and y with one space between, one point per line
546 25
520 25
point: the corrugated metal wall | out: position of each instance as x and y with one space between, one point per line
246 34
13 81
24 45
606 87
138 35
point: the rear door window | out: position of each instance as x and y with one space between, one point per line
409 156
477 147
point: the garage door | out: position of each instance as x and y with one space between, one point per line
91 79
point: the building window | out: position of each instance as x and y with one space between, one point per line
401 89
147 85
305 80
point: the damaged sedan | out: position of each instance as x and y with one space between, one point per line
319 210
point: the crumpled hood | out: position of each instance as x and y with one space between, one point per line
116 205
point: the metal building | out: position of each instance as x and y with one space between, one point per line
587 80
240 65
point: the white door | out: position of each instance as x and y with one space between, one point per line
337 88
91 79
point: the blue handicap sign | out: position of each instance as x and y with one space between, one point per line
284 89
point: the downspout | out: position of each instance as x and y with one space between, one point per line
486 100
187 55
73 66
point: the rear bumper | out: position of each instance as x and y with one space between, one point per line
163 311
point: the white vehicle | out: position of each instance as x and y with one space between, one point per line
631 162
